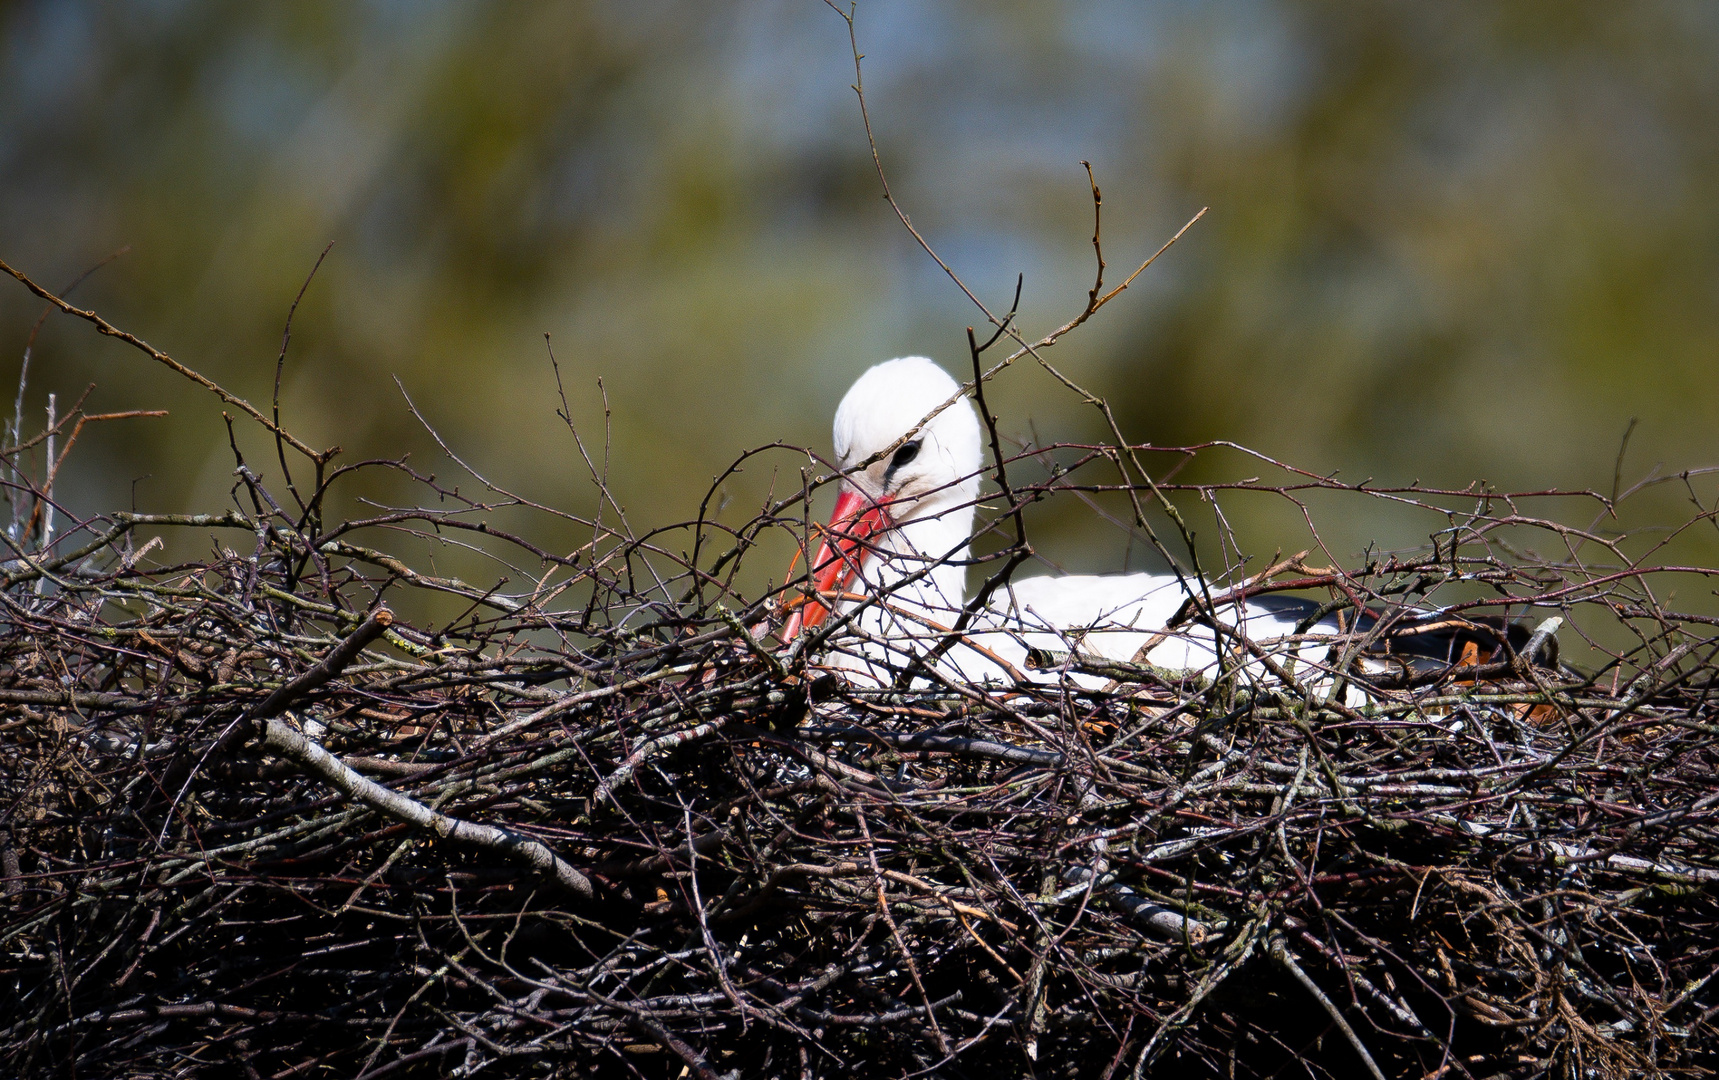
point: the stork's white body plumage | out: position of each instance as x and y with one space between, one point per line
899 539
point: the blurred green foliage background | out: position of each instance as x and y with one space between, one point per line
1447 242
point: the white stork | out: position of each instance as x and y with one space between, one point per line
895 560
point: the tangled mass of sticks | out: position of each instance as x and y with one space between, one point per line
254 824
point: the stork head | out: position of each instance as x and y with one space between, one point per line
933 472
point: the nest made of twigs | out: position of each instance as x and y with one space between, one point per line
254 824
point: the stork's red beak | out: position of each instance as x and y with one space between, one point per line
856 519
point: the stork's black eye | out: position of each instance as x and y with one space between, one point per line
908 451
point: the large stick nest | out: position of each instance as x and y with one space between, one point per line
252 823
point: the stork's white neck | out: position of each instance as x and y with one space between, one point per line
921 568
